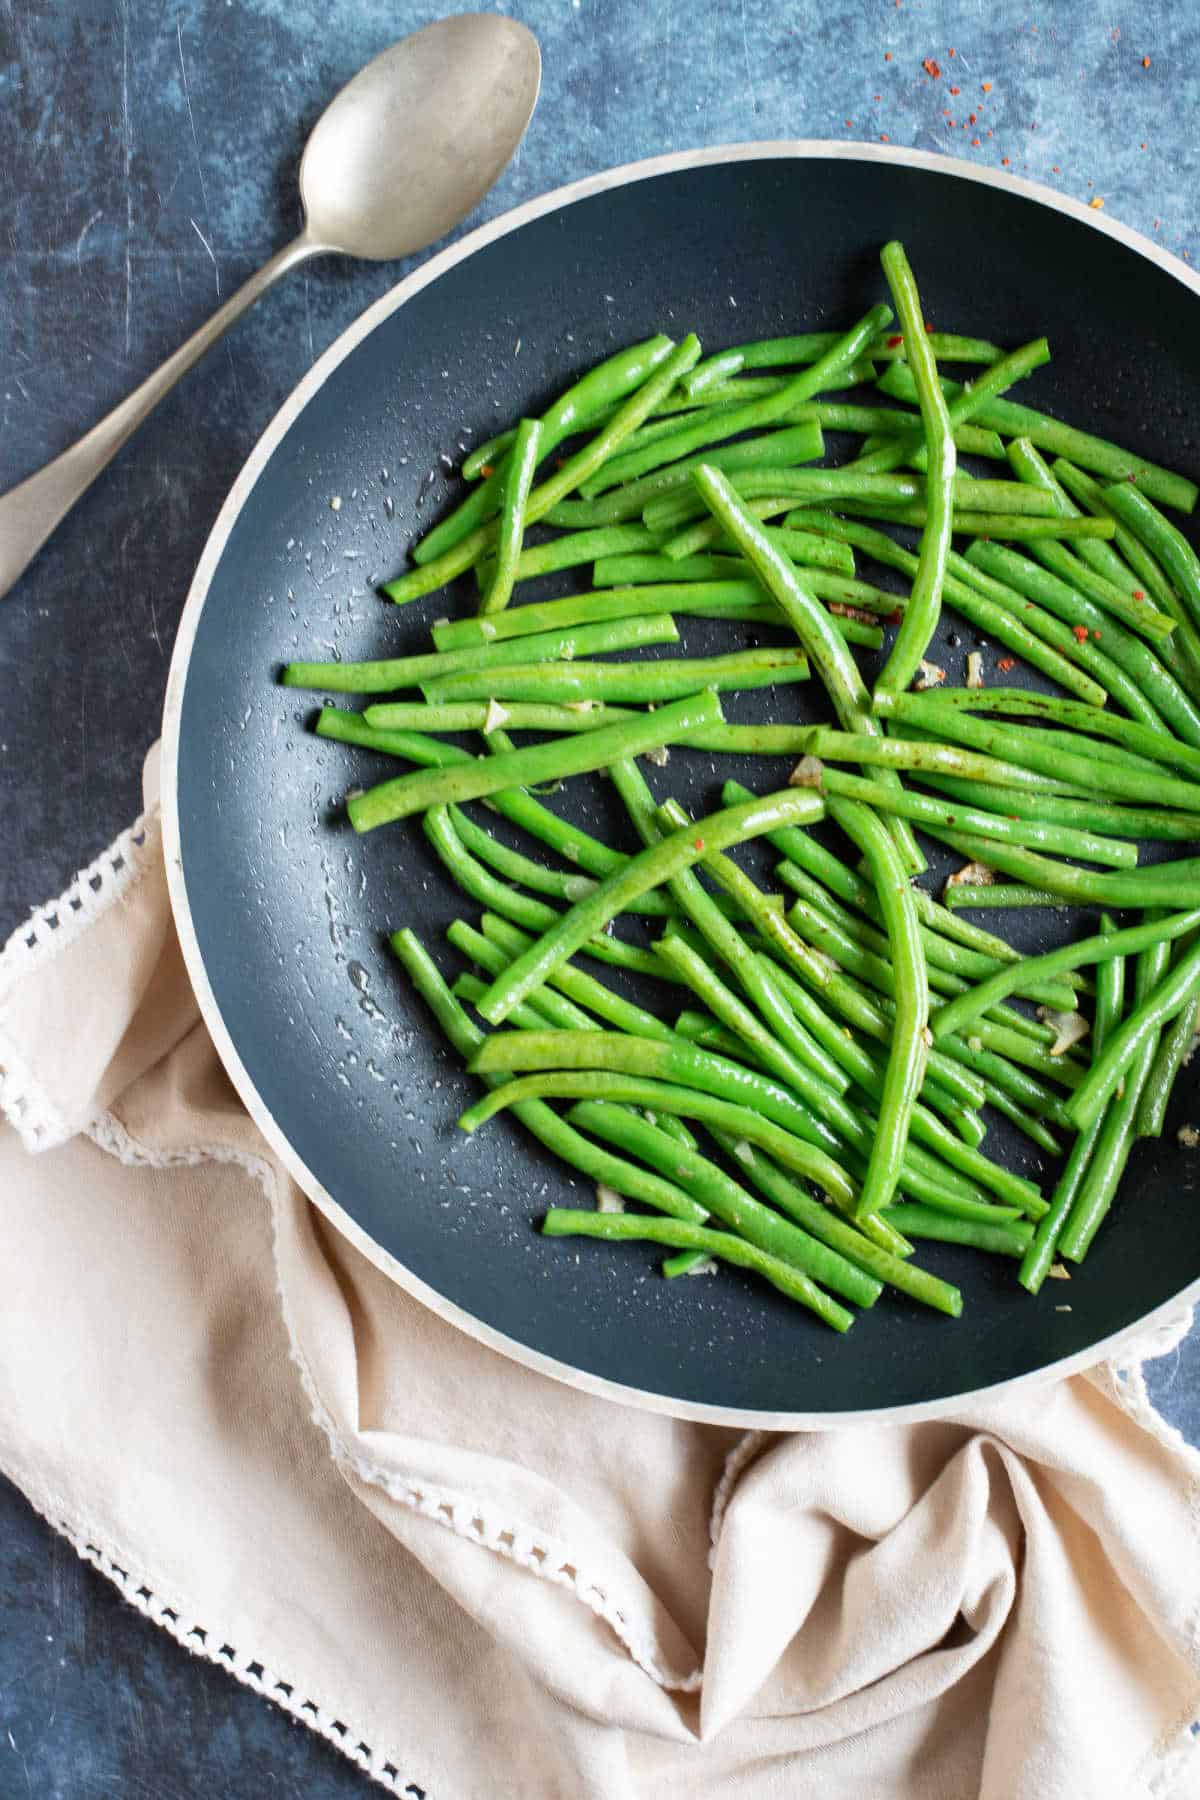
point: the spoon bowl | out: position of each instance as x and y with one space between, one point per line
417 138
404 152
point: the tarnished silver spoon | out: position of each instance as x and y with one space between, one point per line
405 150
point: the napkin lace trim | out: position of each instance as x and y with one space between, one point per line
550 1559
199 1640
47 931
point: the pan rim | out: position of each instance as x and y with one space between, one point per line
1105 1349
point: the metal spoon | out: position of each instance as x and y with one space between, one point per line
402 153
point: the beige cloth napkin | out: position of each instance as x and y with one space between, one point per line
477 1581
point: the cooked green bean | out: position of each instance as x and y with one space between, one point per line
960 1012
1146 741
465 550
582 988
519 469
410 671
925 602
830 745
754 415
1159 1006
1174 1048
1099 816
1080 570
1127 650
1002 895
1160 537
832 660
627 571
670 679
650 868
406 794
965 402
1002 1238
1117 1124
926 809
1036 636
907 1053
560 884
1087 768
569 1221
609 381
799 443
1046 433
540 1120
480 715
727 1200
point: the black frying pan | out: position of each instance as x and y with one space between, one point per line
283 911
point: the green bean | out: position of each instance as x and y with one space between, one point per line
799 443
610 380
1061 809
538 1119
410 671
833 662
514 497
465 550
582 988
477 461
1081 571
965 402
784 1193
940 953
1014 526
406 794
478 715
1173 1051
770 353
947 346
727 1200
649 869
523 909
1046 433
529 1016
560 884
547 1006
669 512
707 985
1127 650
960 1012
1002 896
668 679
905 1070
1160 537
1146 741
353 728
751 417
569 1221
1117 1125
1082 769
1174 991
925 602
1003 1238
830 745
788 1034
628 571
925 809
574 548
1051 647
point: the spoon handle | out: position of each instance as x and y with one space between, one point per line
29 512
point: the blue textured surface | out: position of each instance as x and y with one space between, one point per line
149 158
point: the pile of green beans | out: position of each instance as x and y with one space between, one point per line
814 1089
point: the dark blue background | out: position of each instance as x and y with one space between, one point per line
149 159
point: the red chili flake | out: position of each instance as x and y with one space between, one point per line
1056 170
560 462
699 843
877 96
975 144
928 328
1079 632
932 69
950 121
1145 62
884 138
986 86
486 469
952 53
1142 146
1138 594
946 111
1095 634
1006 663
956 90
849 124
1004 162
989 134
887 56
894 343
971 118
894 618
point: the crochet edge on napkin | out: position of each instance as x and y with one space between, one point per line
50 929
